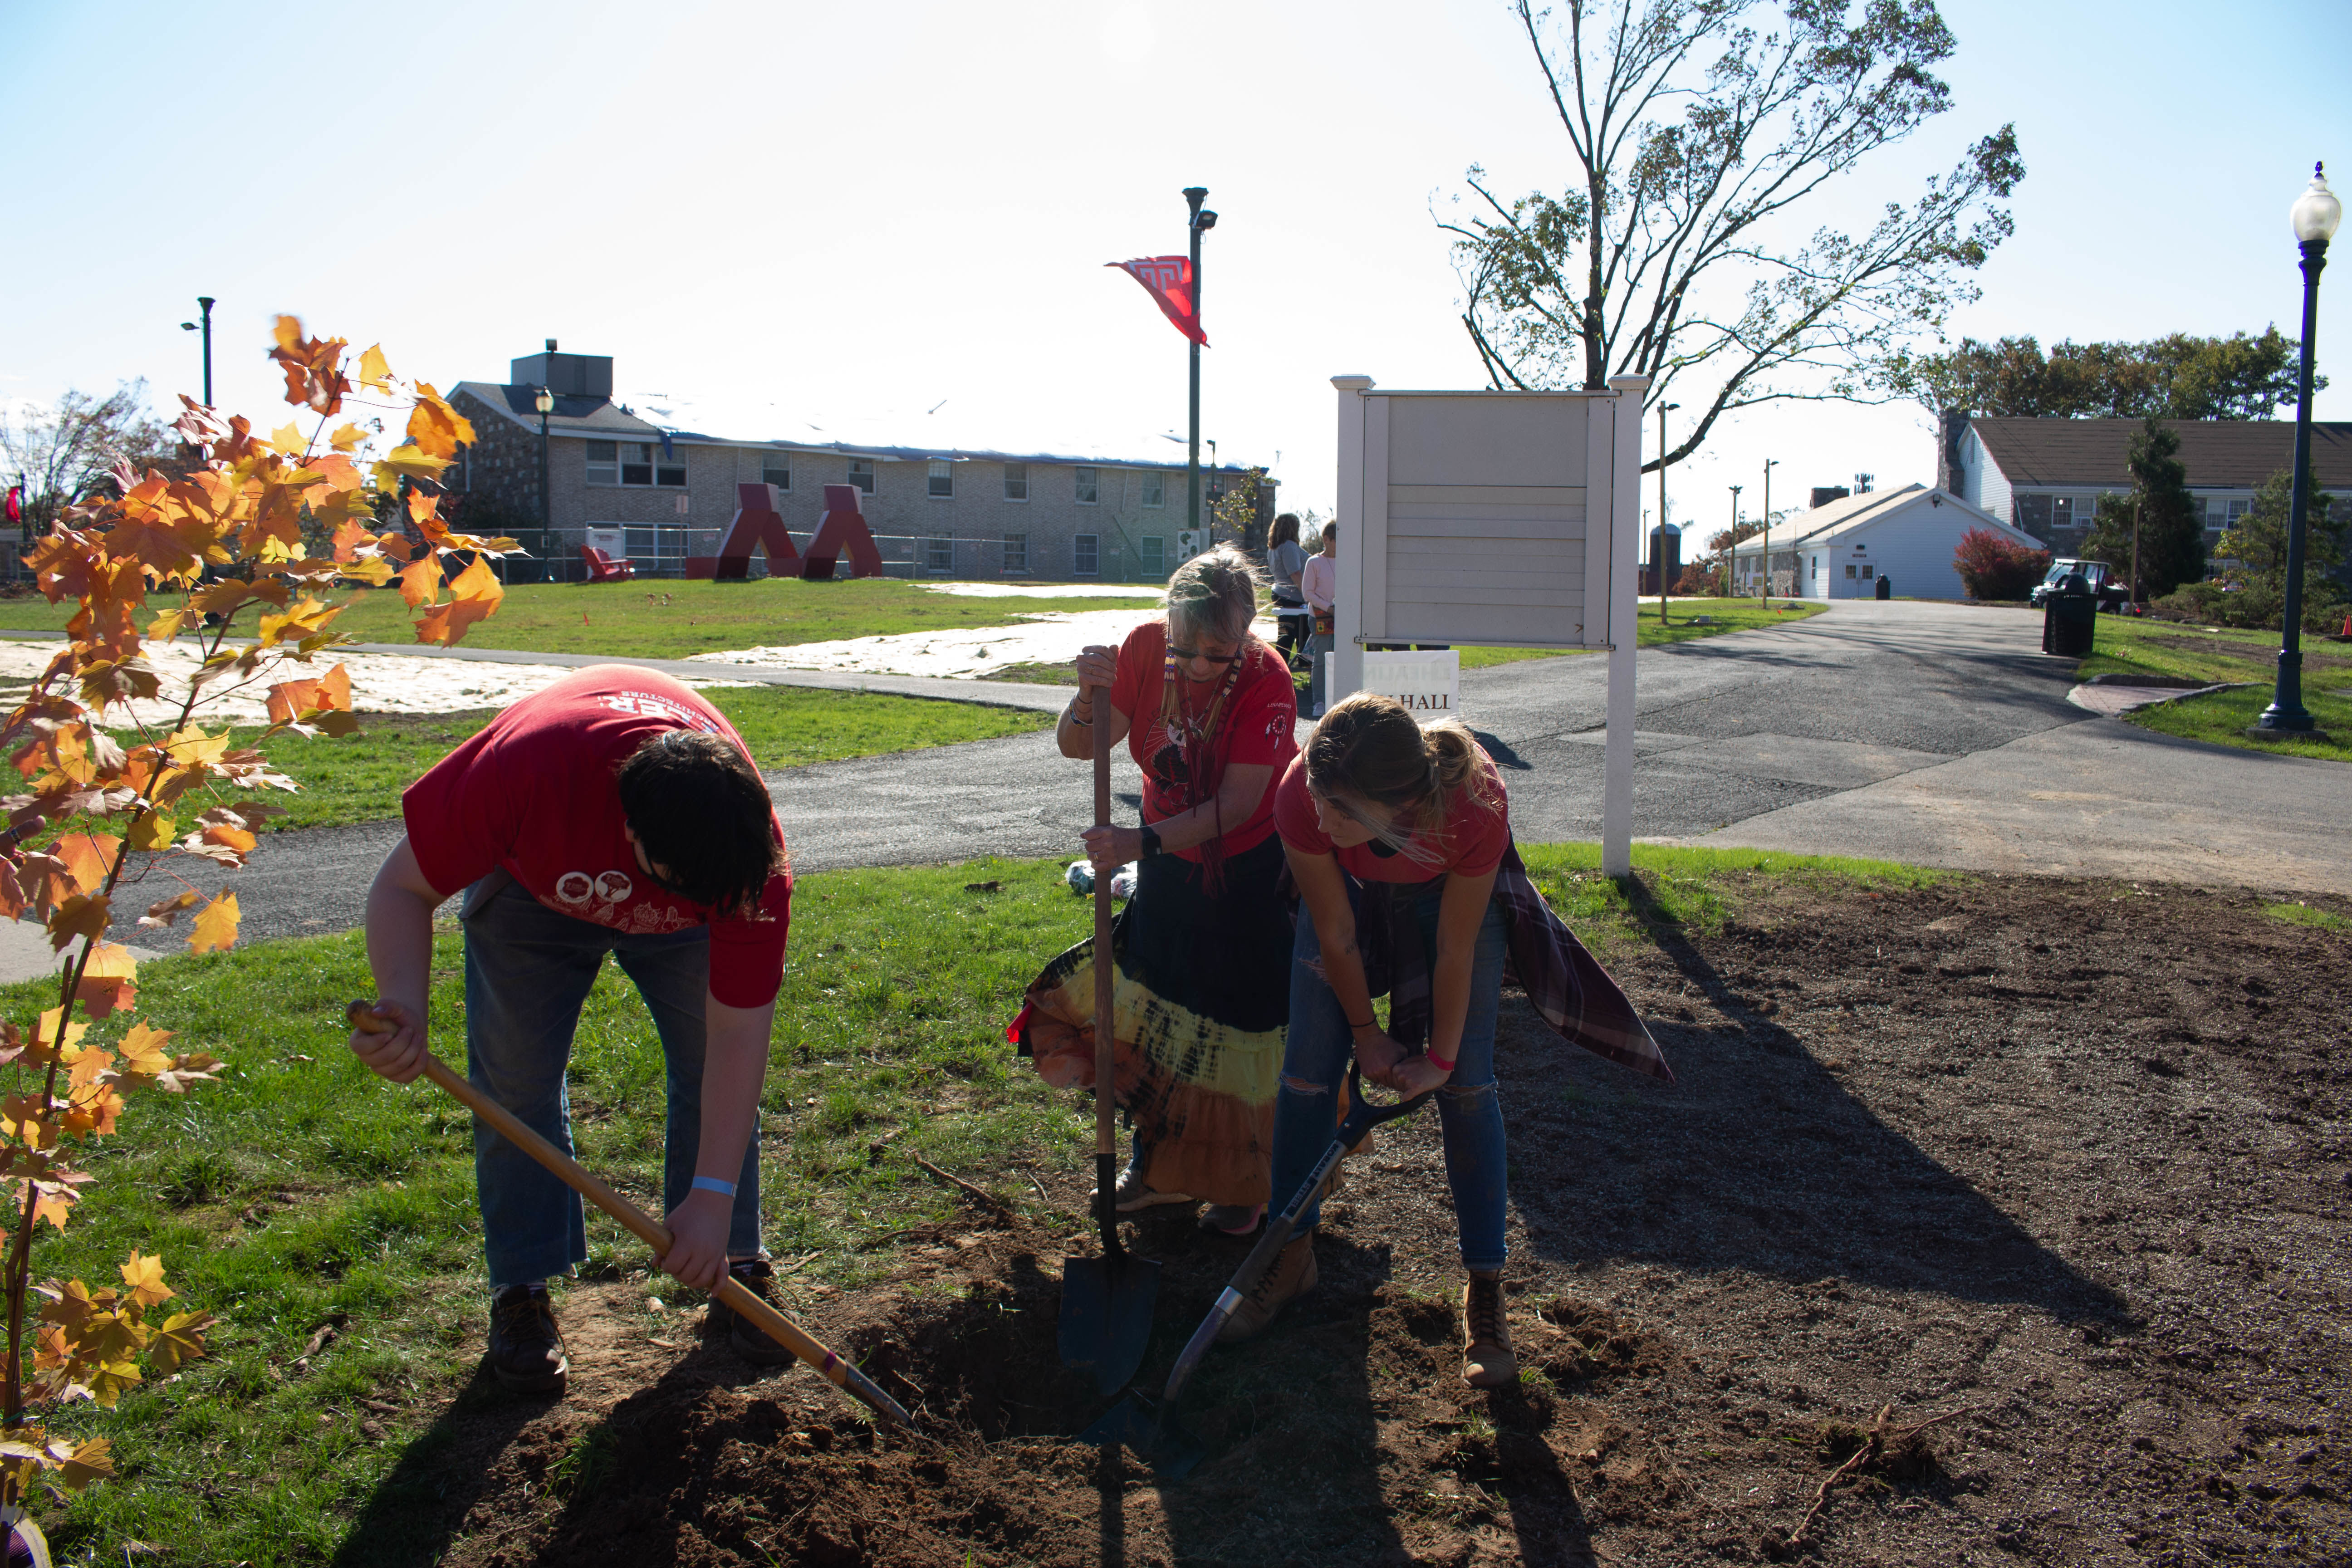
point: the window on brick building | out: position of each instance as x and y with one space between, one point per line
1016 552
777 471
604 462
1086 556
861 474
1155 490
942 480
1154 551
1016 481
1089 486
939 555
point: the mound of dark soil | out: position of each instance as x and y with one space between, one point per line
2063 1163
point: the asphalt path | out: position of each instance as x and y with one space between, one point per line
1728 729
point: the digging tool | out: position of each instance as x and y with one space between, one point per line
1105 1302
1170 1450
730 1290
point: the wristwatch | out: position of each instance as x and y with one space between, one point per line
1150 841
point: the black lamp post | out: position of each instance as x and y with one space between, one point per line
545 402
1201 223
1663 409
2315 216
205 301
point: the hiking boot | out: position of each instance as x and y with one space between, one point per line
526 1351
748 1340
1486 1358
1232 1219
1292 1273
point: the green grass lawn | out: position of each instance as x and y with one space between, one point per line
301 1187
2219 654
359 777
628 618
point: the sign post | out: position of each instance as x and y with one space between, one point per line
1500 518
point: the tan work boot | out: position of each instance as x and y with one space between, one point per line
1486 1358
1292 1273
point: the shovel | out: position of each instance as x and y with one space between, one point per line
1170 1449
730 1290
1106 1301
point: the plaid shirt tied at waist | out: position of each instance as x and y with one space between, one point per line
1574 995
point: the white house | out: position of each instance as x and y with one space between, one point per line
1841 550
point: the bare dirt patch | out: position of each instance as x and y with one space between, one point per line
2062 1162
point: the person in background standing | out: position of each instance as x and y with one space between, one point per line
1284 561
1319 582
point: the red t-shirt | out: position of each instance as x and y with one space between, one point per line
533 794
1471 845
1257 727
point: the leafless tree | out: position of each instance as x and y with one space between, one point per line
1695 127
69 452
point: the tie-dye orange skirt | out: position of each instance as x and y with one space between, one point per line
1200 998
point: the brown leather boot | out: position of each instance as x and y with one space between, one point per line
1292 1273
1486 1358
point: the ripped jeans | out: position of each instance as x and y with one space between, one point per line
1469 1114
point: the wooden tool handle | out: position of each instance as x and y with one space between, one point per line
1106 1065
643 1226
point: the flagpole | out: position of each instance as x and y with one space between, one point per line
1195 195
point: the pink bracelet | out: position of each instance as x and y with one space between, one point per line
1438 1061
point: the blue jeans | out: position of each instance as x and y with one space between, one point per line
1469 1112
528 972
1316 647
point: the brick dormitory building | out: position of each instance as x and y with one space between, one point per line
625 485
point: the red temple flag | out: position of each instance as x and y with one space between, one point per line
1168 279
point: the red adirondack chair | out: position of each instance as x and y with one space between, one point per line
602 568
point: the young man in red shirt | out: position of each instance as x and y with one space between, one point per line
613 812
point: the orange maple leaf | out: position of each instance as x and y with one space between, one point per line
475 594
421 584
78 916
89 857
434 427
215 925
106 981
313 375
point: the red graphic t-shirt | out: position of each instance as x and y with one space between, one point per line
533 794
1257 727
1471 845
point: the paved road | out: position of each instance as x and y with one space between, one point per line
1931 733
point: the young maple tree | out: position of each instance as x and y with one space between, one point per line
114 742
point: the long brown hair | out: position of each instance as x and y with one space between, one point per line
1372 747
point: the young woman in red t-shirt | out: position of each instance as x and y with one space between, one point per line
1395 833
1203 983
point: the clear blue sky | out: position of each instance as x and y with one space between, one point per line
786 219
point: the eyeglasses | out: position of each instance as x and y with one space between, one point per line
1194 653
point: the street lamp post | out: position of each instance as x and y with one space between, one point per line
1663 409
545 403
1201 223
2315 216
1766 548
204 303
1735 519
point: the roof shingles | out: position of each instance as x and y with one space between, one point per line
2220 452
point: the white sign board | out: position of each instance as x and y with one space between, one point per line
1499 517
1428 683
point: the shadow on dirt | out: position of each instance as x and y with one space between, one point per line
1761 1159
413 1515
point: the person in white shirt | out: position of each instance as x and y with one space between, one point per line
1318 581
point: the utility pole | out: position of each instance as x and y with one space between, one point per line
1767 547
2135 581
1199 225
1735 522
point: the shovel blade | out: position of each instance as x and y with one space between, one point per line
1157 1439
1107 1316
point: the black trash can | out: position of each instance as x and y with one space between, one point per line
2069 619
1885 586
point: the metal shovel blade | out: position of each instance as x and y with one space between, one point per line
1106 1315
1154 1437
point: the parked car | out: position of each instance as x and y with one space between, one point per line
2097 575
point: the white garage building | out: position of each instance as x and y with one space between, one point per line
1841 550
